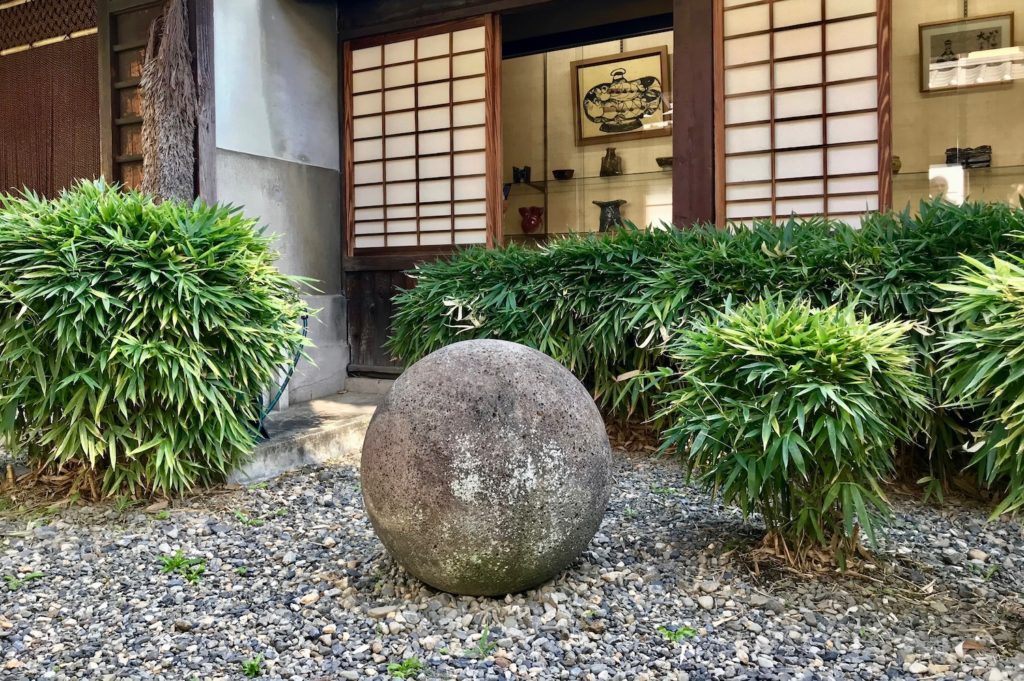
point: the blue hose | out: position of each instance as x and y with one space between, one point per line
260 425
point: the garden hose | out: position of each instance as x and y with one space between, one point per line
260 427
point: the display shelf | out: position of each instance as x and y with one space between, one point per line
591 181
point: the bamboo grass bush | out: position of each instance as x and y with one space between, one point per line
793 412
983 368
135 337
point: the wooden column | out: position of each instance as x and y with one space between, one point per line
693 112
201 39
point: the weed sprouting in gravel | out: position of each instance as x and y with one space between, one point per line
247 520
253 668
678 634
406 669
14 583
192 569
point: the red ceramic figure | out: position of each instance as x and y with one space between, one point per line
533 218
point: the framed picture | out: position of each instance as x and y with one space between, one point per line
946 42
621 96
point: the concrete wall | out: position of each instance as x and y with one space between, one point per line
276 79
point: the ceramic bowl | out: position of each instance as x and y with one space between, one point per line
664 162
563 173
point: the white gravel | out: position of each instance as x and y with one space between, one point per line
292 572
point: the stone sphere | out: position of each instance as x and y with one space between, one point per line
486 468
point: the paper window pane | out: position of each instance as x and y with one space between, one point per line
401 240
368 126
748 109
799 164
853 204
468 88
471 164
365 81
366 58
855 128
369 242
799 72
400 123
798 134
404 169
800 188
433 119
797 41
468 39
400 226
434 94
363 105
436 166
854 33
471 208
471 64
436 224
399 52
436 239
401 146
395 76
865 184
748 209
369 228
466 139
467 238
835 9
401 192
794 12
364 214
748 168
367 173
435 142
399 212
800 207
366 150
748 138
748 191
745 50
859 159
435 209
746 20
851 96
470 188
474 113
433 69
747 79
798 103
436 190
433 45
860 64
471 222
372 195
400 99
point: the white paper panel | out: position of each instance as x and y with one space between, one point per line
745 50
747 79
856 128
366 58
853 204
435 209
396 76
365 81
748 191
436 190
748 168
468 39
471 222
364 214
369 228
860 64
470 188
800 207
369 126
798 134
400 226
467 139
432 45
468 88
854 221
366 173
435 142
372 195
473 113
853 33
366 150
433 119
793 12
798 103
433 69
404 169
400 123
471 64
397 240
468 238
363 105
748 138
859 159
398 52
401 192
799 188
799 72
746 20
401 146
851 96
797 41
435 239
748 109
471 208
844 185
799 164
835 9
748 209
400 99
435 166
399 212
471 164
434 94
369 242
435 224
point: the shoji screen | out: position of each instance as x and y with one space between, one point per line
800 108
420 125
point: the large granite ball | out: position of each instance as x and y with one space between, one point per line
485 470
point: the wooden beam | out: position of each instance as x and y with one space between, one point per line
201 39
358 18
885 191
693 112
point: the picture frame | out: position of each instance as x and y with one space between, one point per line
950 40
621 96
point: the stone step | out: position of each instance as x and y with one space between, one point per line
329 429
365 384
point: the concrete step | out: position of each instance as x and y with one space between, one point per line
365 384
312 433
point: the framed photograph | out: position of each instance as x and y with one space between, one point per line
621 96
946 42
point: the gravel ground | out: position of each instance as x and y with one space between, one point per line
292 572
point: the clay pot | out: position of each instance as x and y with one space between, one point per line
533 218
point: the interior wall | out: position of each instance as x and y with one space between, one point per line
277 131
926 124
537 104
